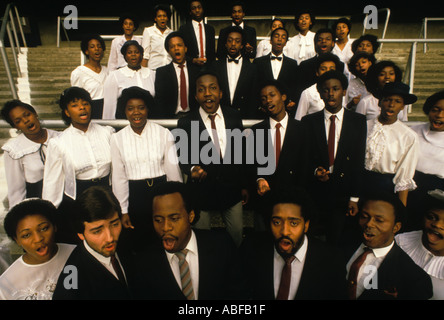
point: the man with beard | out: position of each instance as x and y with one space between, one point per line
95 270
289 264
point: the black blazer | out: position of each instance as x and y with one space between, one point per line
250 36
246 96
401 276
322 278
222 187
192 42
167 90
288 76
292 161
345 181
219 276
95 282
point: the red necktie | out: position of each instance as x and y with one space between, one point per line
183 88
284 286
331 140
201 41
215 135
352 280
278 142
118 269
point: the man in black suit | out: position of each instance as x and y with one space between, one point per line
336 152
281 140
238 77
199 36
379 269
175 83
96 270
277 66
210 269
324 42
289 264
237 17
210 142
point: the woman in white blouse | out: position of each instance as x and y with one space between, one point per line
392 147
359 65
129 25
91 76
301 47
143 156
426 245
429 173
33 276
80 156
343 43
25 154
133 74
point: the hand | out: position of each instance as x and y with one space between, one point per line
291 105
200 61
262 187
198 174
245 196
249 48
126 221
356 99
322 174
352 208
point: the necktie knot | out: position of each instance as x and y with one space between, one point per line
278 125
181 254
181 66
289 260
332 117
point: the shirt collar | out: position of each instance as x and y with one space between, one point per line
205 115
102 259
241 25
196 23
191 247
380 252
339 114
283 122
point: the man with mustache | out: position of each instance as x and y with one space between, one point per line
186 264
94 269
289 264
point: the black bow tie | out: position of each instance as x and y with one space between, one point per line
233 60
276 58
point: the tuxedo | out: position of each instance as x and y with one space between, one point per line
250 37
167 90
322 278
218 270
345 180
192 42
246 96
94 281
221 188
402 277
288 75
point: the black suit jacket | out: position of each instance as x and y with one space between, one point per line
95 282
250 36
246 96
219 276
399 277
345 181
322 278
288 76
167 90
221 188
192 42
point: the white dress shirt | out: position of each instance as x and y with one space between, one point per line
301 47
431 150
369 106
196 32
392 149
121 79
233 72
153 43
151 154
297 265
372 261
282 129
338 128
75 154
309 102
116 59
411 243
90 80
23 281
192 259
276 65
23 163
220 127
346 53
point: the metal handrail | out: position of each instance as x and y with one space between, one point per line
14 41
424 29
